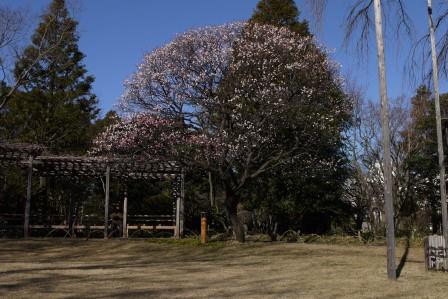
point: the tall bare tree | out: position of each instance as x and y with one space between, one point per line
11 29
364 188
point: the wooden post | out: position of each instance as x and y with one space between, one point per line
203 227
106 203
427 256
26 224
179 232
387 166
125 213
435 75
71 216
182 197
177 229
43 214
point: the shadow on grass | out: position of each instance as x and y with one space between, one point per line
404 257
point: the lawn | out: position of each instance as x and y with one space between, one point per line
55 268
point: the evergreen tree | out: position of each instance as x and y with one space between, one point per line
55 106
423 159
280 13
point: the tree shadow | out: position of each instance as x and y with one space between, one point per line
404 257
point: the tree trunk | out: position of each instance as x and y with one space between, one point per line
237 227
210 186
359 219
232 211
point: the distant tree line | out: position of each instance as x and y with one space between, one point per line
414 163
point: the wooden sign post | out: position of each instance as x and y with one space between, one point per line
203 227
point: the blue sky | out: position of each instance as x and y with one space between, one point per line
115 34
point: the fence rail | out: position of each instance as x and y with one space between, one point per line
87 224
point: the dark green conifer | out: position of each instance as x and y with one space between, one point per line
55 106
280 13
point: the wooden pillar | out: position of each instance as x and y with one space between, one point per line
26 224
177 229
43 213
106 203
71 216
180 208
125 213
182 198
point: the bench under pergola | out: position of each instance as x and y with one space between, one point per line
35 159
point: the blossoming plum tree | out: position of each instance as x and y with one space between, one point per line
238 100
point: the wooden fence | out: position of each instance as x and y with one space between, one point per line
11 225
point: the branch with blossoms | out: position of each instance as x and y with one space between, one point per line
155 138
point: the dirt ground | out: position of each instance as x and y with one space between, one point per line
52 268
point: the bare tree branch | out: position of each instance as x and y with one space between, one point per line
317 8
43 51
359 21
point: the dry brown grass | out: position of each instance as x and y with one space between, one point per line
54 268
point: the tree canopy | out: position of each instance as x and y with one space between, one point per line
250 98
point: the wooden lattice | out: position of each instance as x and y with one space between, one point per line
84 166
35 159
16 153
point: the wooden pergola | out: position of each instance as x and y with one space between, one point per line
35 159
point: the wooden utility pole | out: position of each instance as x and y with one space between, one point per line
435 74
387 166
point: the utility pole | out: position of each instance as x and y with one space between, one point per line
435 74
388 200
